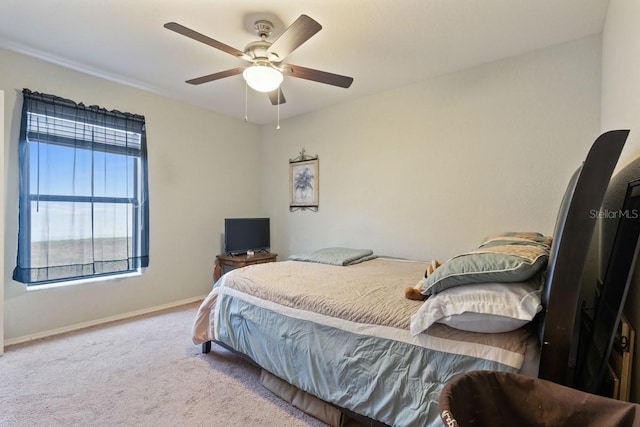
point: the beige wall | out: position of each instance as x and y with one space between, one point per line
424 171
621 109
621 74
2 186
193 154
428 170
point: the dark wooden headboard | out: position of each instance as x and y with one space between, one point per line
572 236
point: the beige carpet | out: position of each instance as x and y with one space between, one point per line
139 372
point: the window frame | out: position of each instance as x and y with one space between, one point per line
135 158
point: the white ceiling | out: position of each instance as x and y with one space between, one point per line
382 44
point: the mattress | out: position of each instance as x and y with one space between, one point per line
342 334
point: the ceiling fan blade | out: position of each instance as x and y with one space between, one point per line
299 32
317 75
188 32
216 76
273 96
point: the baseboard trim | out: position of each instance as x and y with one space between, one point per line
84 325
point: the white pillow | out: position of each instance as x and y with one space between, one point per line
481 307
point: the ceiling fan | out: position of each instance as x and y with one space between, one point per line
266 70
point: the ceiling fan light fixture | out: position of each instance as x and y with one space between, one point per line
262 78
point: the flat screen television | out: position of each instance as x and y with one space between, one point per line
598 341
242 235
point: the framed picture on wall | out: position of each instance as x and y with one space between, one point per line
303 184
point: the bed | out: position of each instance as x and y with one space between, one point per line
335 323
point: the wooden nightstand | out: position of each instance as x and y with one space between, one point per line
237 261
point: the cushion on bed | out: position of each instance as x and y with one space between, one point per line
336 256
486 308
516 237
504 259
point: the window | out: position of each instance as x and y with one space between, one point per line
84 206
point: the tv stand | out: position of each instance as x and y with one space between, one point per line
242 260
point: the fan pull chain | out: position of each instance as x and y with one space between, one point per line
278 125
246 90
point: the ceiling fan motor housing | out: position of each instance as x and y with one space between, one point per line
258 51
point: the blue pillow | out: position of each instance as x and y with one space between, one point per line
500 259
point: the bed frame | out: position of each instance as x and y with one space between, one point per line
572 236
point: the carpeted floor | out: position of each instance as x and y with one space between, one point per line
140 372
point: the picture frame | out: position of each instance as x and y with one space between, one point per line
303 184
